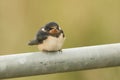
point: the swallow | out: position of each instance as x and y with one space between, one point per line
49 38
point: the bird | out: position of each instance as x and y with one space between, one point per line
49 38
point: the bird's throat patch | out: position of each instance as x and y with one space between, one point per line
53 31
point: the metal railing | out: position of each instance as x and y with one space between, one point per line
72 59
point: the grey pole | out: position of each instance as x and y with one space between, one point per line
72 59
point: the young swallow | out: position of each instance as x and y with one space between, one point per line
49 38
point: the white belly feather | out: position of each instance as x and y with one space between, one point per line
52 43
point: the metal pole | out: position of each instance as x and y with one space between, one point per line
72 59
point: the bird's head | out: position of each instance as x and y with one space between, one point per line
51 28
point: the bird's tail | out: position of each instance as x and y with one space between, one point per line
33 42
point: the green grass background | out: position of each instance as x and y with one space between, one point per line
85 23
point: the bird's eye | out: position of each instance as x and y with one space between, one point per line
49 29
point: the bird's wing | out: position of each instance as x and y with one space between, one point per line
41 36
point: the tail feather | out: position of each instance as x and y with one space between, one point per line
33 42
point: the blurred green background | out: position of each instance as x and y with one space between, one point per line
85 22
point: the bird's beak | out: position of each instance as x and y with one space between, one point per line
54 31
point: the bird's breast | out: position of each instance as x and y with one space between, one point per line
52 43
